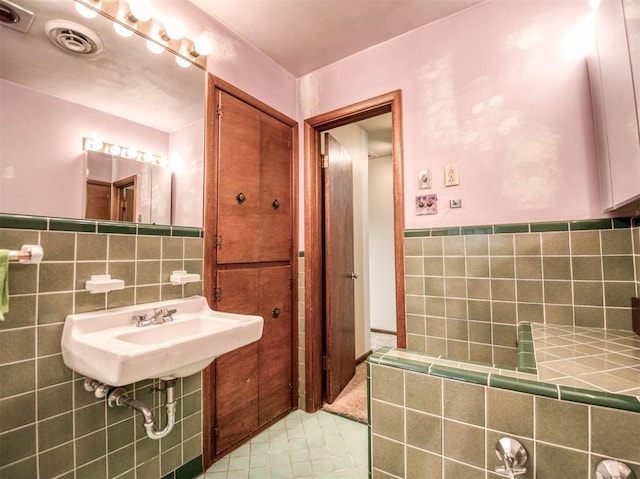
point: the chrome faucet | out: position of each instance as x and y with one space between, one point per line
166 315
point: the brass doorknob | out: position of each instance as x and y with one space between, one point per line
275 204
241 198
275 312
352 275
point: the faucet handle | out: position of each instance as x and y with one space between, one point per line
167 314
139 317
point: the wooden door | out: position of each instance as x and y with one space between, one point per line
239 181
236 373
276 344
98 200
338 264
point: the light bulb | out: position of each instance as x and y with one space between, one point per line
154 47
202 46
115 150
148 158
182 62
85 11
140 9
173 29
130 153
122 30
94 144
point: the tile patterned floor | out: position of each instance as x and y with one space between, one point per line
379 340
592 358
301 446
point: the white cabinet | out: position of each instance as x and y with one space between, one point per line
613 70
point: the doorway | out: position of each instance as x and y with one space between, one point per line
316 290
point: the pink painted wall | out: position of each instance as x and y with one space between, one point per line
501 90
236 61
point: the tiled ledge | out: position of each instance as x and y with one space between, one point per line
498 377
578 225
593 358
44 223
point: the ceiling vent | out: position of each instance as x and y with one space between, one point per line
13 16
73 37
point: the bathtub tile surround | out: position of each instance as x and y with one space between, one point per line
449 415
468 287
49 425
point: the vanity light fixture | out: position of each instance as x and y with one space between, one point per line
137 16
94 144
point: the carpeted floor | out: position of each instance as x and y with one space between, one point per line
352 401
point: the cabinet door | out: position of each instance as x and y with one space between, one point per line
239 181
236 376
275 348
254 186
275 190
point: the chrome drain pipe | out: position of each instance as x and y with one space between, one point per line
119 397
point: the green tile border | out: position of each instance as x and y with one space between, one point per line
524 386
446 231
598 398
541 227
511 228
118 228
186 232
43 223
154 230
477 230
191 469
80 226
23 222
585 225
549 227
475 377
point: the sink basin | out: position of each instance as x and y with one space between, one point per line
109 347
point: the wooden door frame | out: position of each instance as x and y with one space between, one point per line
313 227
210 223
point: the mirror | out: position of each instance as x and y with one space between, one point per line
124 95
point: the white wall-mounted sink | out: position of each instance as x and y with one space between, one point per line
109 347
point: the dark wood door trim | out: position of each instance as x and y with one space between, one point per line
214 85
314 285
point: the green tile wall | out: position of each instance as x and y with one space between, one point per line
422 425
466 290
49 426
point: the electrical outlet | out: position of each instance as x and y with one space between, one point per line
424 179
455 203
451 176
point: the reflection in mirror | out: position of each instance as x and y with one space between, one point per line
52 98
122 189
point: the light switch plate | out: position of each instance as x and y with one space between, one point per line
424 179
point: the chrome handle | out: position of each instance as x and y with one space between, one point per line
513 454
610 469
352 275
241 198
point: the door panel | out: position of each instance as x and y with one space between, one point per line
239 166
236 396
276 354
338 224
275 190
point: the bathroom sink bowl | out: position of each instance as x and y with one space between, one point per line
109 347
